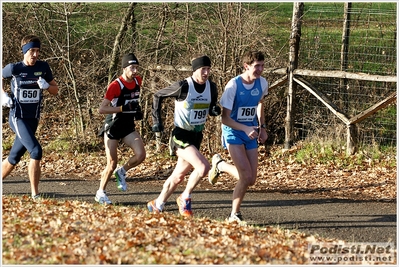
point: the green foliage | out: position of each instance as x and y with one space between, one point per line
7 143
327 153
169 33
385 116
316 153
65 143
60 145
384 155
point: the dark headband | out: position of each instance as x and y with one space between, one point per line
200 62
27 46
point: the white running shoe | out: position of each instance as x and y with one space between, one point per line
102 198
237 217
120 179
214 171
37 198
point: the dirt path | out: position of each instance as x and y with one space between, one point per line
350 220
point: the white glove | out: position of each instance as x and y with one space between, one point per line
42 83
6 101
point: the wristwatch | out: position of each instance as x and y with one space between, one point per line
263 126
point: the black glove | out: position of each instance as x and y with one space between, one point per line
130 106
215 111
157 127
138 115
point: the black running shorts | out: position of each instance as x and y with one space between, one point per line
182 138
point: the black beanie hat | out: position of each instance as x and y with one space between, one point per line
201 62
129 59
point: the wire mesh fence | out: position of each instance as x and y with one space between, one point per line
371 49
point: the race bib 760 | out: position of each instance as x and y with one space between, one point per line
245 114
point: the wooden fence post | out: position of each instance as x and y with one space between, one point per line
351 139
293 58
344 54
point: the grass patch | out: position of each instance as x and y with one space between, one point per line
325 153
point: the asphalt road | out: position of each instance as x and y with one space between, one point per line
350 220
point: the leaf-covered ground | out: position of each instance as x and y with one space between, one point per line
73 232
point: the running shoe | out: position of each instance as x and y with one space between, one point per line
152 207
102 198
37 198
120 179
184 206
214 172
237 217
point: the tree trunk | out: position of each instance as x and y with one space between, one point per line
71 74
118 39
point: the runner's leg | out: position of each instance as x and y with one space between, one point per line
111 148
134 141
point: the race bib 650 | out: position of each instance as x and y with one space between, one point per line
29 95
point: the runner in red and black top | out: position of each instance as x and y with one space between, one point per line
121 104
195 98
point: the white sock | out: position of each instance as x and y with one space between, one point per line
100 191
218 166
159 204
185 195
